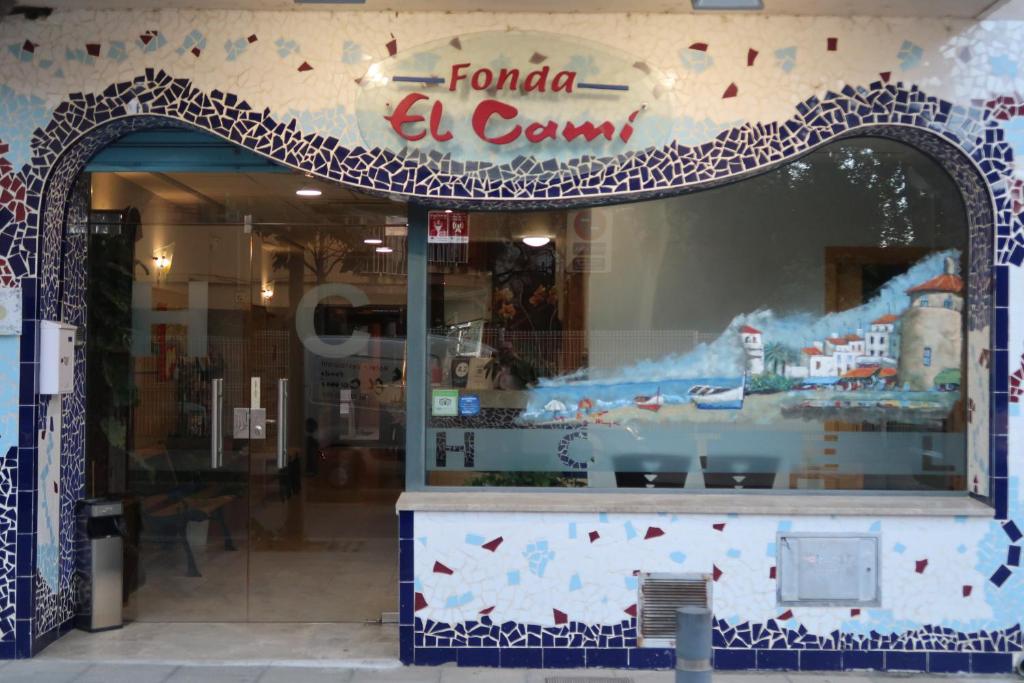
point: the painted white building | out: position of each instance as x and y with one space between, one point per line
818 363
753 346
882 341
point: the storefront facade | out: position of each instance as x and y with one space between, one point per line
618 355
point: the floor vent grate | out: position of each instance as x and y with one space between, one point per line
660 595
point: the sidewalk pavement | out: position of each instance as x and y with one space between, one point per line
65 671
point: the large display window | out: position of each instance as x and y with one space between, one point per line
802 329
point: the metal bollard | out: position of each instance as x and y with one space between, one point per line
693 645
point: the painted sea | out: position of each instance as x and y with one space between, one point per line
544 401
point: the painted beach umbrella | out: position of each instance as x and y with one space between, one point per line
554 406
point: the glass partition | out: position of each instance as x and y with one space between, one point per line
802 329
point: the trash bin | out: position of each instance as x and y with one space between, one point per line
100 562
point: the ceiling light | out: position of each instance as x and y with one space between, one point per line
384 250
308 192
536 241
373 240
447 210
727 4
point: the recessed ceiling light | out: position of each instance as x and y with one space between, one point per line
373 240
308 192
447 210
384 250
727 4
536 241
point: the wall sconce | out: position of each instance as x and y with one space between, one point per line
267 293
162 262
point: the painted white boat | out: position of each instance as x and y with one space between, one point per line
709 397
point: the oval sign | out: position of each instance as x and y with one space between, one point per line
496 96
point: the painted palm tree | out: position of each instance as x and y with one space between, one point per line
778 356
774 356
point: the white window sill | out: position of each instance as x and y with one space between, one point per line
774 504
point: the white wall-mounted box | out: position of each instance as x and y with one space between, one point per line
56 357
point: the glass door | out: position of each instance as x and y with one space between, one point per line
181 418
246 394
328 349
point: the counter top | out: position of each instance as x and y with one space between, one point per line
774 504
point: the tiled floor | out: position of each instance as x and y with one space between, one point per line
48 670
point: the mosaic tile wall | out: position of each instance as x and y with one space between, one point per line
504 589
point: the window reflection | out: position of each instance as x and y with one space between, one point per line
775 333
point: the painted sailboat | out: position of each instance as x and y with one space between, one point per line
652 403
709 397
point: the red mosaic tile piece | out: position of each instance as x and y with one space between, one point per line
594 536
653 532
788 614
305 67
718 526
560 616
93 49
442 569
196 51
920 566
885 75
631 610
772 572
392 46
716 573
832 44
966 591
493 545
252 38
751 56
702 47
486 610
855 612
421 602
731 91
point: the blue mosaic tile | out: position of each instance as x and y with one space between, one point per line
735 660
949 662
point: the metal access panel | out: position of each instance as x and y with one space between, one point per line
828 569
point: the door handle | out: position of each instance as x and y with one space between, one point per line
282 423
216 423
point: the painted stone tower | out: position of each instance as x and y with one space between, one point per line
753 346
932 330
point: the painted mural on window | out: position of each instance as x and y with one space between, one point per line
897 357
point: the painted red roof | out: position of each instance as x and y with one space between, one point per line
886 319
812 351
887 372
836 341
859 373
747 329
853 337
942 283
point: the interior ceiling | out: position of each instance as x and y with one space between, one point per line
268 197
963 9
